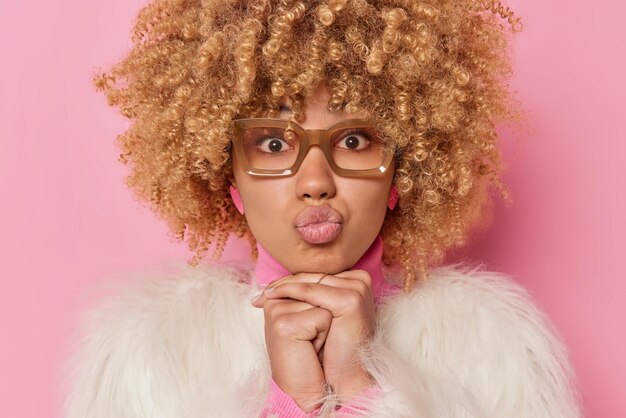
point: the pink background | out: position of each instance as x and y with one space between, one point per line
68 223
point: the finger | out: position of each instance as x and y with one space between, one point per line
357 280
320 339
339 301
256 301
304 326
277 307
259 302
360 275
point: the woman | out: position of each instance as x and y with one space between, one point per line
332 135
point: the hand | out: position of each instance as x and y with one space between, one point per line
348 297
295 332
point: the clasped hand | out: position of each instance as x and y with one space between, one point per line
313 332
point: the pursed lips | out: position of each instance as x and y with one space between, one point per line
319 224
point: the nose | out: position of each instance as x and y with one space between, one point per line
314 179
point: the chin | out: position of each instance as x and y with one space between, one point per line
321 259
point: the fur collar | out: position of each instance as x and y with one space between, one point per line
187 343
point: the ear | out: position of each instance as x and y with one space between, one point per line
234 194
393 197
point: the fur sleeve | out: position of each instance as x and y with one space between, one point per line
470 343
154 349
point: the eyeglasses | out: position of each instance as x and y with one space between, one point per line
276 147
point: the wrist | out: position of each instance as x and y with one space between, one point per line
306 399
348 387
284 404
308 404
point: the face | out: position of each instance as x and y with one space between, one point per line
315 220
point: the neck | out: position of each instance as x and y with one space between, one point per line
269 269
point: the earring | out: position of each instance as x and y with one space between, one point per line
393 197
234 194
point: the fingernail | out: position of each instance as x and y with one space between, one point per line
256 298
269 289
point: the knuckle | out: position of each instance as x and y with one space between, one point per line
271 310
327 316
365 277
352 299
282 326
362 287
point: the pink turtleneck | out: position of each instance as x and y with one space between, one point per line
268 269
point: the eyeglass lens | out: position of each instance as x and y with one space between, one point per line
277 148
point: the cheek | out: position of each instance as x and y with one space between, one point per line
368 204
254 194
265 202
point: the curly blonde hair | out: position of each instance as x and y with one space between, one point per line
431 73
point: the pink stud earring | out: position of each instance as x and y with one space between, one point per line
393 197
234 194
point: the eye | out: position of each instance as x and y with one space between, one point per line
273 145
354 141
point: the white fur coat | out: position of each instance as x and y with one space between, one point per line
188 344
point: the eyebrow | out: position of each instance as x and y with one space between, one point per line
285 108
